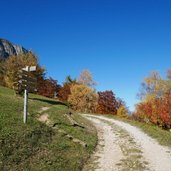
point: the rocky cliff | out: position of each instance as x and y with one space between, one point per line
7 48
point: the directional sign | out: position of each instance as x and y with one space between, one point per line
27 83
23 72
32 68
31 89
26 68
28 78
29 68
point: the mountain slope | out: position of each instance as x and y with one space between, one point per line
7 48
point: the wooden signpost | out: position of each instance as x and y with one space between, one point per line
28 84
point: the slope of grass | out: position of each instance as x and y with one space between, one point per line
36 146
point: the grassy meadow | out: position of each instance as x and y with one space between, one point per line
35 145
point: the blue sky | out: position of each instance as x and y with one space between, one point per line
119 41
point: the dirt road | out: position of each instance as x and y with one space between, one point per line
122 147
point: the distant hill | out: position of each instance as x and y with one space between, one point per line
7 48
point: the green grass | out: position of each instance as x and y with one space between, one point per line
162 136
36 146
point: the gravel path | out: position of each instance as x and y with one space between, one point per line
122 147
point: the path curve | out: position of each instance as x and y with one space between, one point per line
125 147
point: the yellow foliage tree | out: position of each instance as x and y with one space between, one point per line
83 98
1 72
86 79
154 86
15 63
122 112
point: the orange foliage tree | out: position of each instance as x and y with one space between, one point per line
65 90
156 111
165 110
156 104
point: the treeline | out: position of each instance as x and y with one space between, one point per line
155 105
80 94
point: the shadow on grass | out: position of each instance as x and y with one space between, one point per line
52 102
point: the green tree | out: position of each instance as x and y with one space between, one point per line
70 80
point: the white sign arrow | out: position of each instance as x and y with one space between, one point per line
32 68
29 68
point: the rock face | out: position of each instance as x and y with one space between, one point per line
7 48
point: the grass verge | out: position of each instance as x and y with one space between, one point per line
36 146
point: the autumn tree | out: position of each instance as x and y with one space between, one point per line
107 103
15 63
165 111
48 87
65 90
168 80
153 86
2 72
169 74
83 98
120 102
86 79
156 111
11 70
122 111
155 106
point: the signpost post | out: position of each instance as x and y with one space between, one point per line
25 105
28 84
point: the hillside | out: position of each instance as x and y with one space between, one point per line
7 48
45 145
